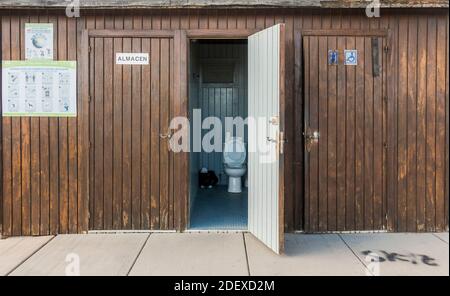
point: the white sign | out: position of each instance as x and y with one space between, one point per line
123 58
39 41
351 57
39 88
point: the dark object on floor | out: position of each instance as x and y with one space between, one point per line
208 179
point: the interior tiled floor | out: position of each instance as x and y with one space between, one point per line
216 209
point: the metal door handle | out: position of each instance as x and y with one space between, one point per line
165 136
310 138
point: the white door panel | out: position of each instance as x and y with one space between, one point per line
266 75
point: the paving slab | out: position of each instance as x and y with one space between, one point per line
401 254
193 254
15 250
97 254
442 236
305 255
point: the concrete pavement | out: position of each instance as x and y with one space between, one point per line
225 254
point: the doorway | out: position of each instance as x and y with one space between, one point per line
217 89
264 174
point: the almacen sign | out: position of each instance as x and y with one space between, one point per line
123 58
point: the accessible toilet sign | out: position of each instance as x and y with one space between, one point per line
123 58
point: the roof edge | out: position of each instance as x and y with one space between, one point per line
225 4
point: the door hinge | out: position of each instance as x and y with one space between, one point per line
386 49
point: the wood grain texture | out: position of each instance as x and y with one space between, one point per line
45 167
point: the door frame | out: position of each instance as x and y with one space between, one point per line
203 34
234 34
179 106
389 111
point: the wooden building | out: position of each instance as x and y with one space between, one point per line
380 164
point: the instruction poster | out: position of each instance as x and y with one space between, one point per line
39 41
39 88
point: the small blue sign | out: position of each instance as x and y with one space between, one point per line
333 57
351 57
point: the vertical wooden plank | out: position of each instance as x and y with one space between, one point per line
136 133
44 168
176 108
411 217
341 135
98 131
350 141
172 197
126 122
155 131
145 140
402 125
63 139
184 157
441 61
83 193
54 151
118 132
289 160
421 120
108 133
297 134
16 141
35 168
72 41
332 123
323 131
314 125
359 135
378 141
6 141
25 150
447 160
90 24
368 135
430 209
164 126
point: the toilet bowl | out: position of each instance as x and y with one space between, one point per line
234 156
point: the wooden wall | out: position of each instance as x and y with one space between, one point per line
42 182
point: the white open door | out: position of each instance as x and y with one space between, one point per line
266 126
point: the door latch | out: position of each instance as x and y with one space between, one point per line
311 137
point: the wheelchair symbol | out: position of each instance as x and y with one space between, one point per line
351 57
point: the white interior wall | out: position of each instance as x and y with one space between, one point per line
222 100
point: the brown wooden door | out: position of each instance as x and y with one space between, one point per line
130 109
345 134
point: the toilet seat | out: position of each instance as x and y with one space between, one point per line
234 153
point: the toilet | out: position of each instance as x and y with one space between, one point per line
234 156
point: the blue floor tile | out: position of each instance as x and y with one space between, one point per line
216 209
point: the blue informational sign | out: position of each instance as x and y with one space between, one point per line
351 57
333 57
